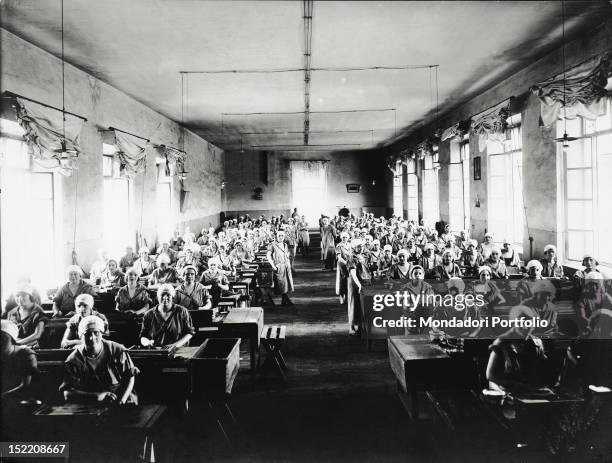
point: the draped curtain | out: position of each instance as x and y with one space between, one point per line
175 159
490 125
131 152
45 131
457 131
585 87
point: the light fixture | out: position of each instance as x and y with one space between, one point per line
565 139
63 149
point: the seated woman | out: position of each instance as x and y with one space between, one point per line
168 324
374 256
132 298
550 267
112 276
417 286
471 261
225 262
98 370
239 255
166 249
63 302
489 293
191 294
517 362
462 240
496 264
215 279
163 273
447 269
430 260
99 266
486 246
438 243
29 318
188 259
128 258
84 308
401 269
590 266
414 252
144 265
11 301
542 305
509 255
527 285
592 298
18 362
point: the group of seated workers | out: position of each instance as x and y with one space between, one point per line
367 248
188 272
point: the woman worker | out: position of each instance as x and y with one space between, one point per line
168 324
401 269
191 294
18 363
278 257
304 235
112 275
63 302
215 280
144 265
29 318
163 273
98 370
84 304
550 267
132 298
359 275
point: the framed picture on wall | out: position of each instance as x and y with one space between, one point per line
353 187
477 168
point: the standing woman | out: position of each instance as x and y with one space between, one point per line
359 275
328 244
291 237
63 302
278 257
304 236
343 254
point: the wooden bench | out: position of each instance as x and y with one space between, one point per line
273 338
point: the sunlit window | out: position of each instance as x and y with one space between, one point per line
431 203
505 186
412 193
118 231
456 186
163 203
30 219
587 167
398 207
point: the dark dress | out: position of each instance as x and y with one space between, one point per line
27 326
140 299
64 299
107 372
169 331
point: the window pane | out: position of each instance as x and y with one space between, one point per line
578 154
41 186
604 144
15 153
579 244
603 122
580 215
11 128
108 149
580 184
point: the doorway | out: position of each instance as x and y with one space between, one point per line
309 189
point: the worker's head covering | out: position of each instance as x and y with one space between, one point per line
387 247
11 329
403 252
86 298
90 322
143 249
74 268
534 263
429 246
588 256
344 235
163 259
190 267
484 268
357 242
550 247
25 289
473 242
165 288
416 267
456 283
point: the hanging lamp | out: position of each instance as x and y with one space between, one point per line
63 149
565 139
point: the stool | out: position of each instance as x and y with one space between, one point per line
273 338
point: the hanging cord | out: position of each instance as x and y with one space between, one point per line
564 72
514 144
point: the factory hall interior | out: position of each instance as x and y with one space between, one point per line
306 230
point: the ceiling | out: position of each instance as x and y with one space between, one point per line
142 46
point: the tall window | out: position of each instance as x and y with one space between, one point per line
31 218
505 186
412 194
117 224
587 167
163 203
398 207
456 190
431 206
